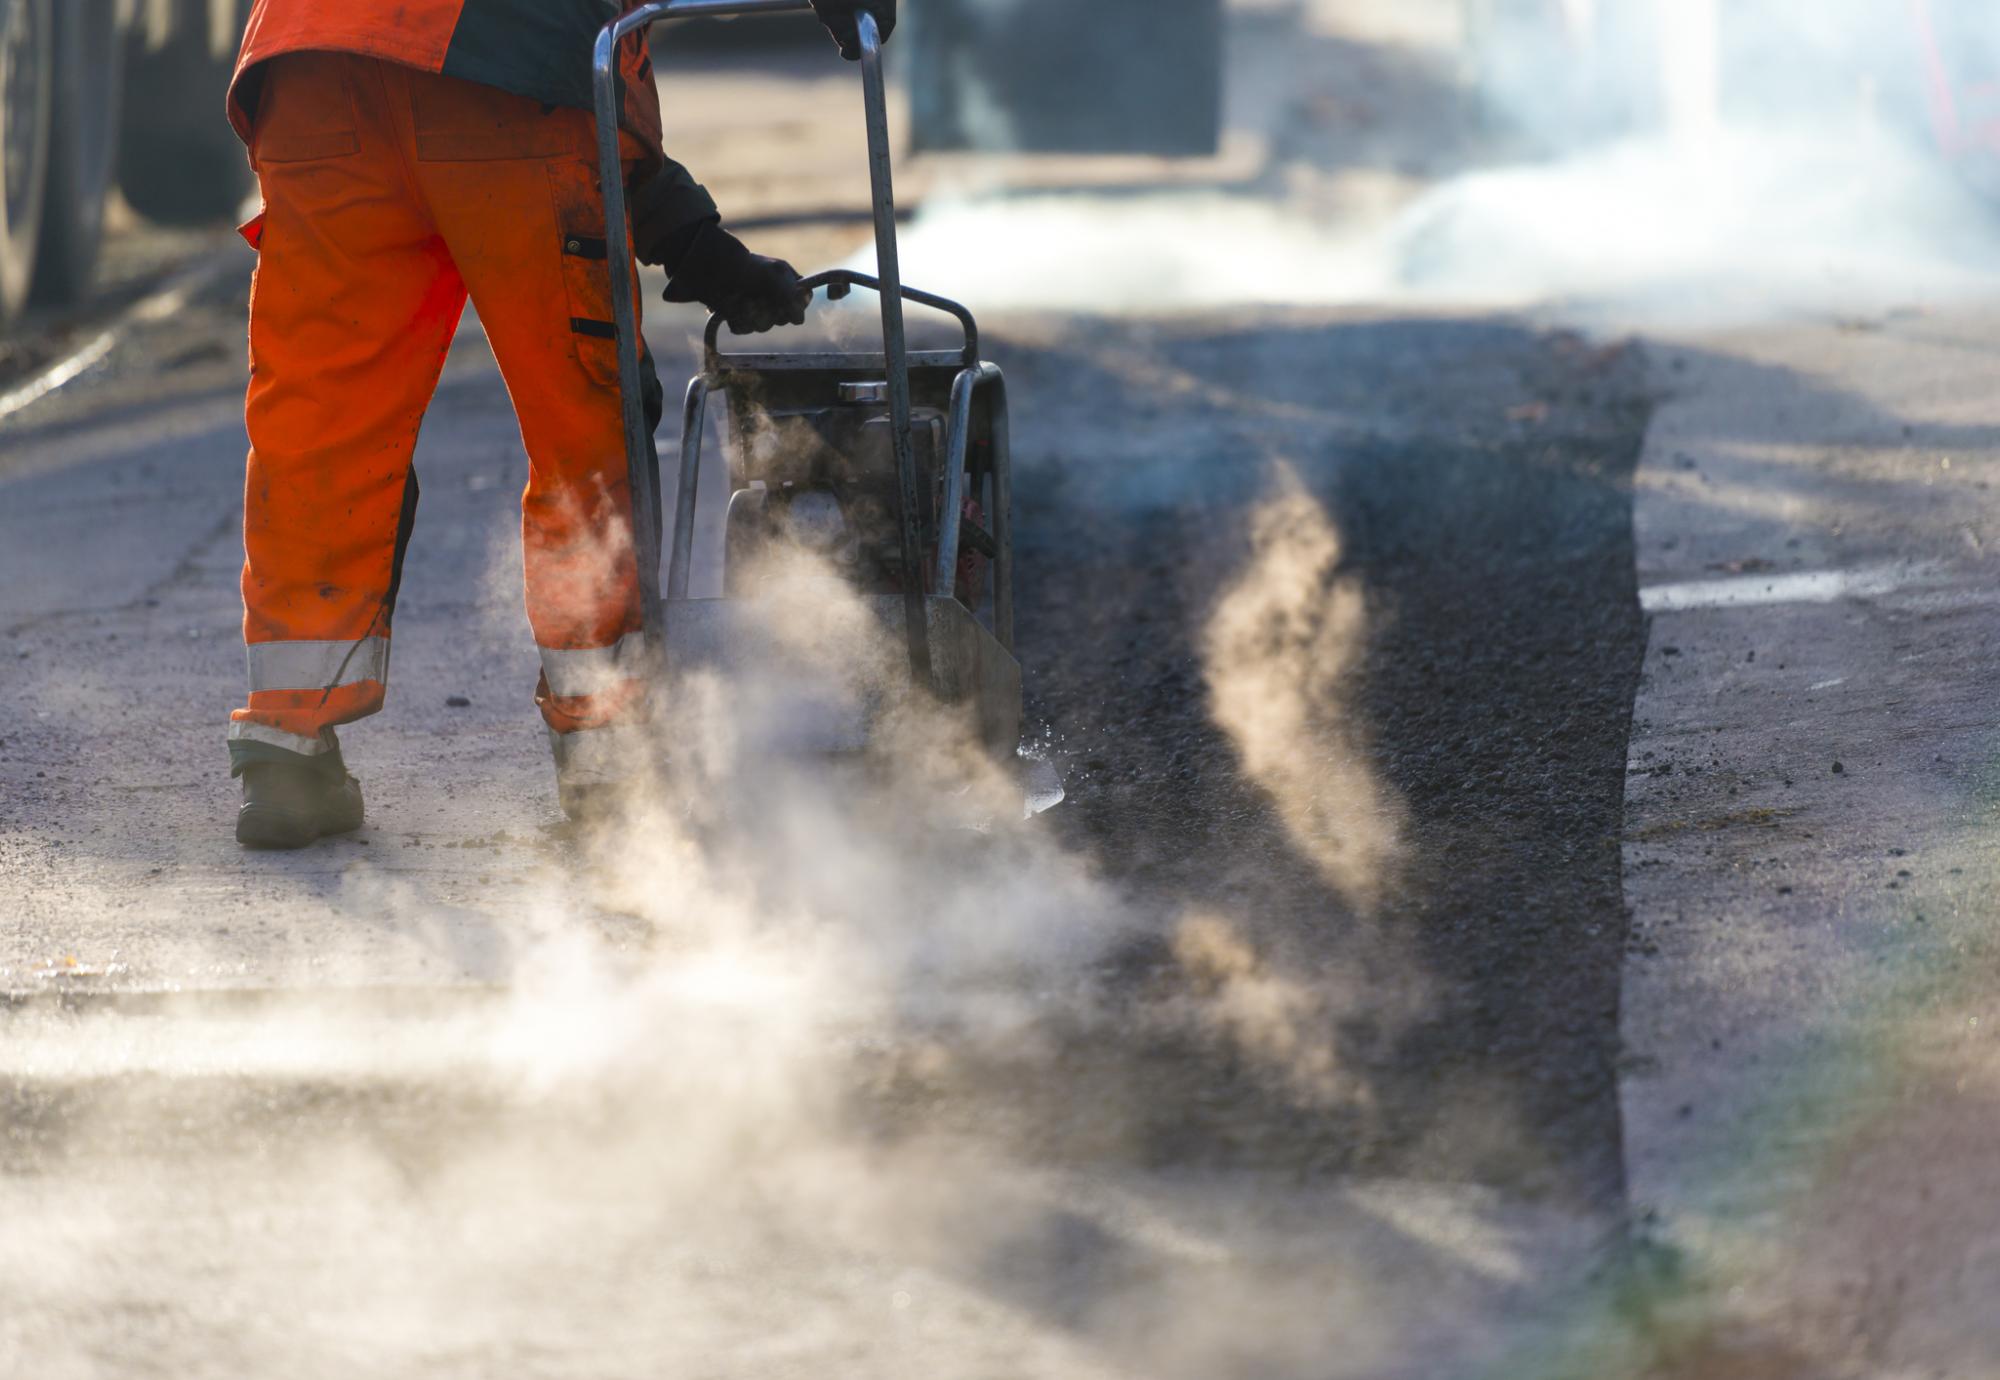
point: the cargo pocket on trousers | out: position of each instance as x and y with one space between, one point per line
305 112
586 270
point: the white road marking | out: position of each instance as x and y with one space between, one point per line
1804 587
1827 684
58 374
165 302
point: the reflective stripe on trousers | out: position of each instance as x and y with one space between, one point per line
317 665
578 673
245 731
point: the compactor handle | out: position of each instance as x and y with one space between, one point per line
641 463
838 282
607 87
895 343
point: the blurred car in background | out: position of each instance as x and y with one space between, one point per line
97 91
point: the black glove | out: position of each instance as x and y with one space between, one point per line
752 293
838 16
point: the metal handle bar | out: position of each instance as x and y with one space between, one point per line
641 462
838 282
895 344
607 87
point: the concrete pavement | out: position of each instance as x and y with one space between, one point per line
1809 1005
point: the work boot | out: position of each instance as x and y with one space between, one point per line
290 806
594 804
600 776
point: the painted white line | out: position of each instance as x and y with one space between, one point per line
1805 587
56 375
1827 684
162 304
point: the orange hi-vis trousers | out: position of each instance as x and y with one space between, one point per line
390 196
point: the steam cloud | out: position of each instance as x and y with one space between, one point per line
1282 649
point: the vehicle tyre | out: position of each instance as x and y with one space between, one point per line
88 75
179 162
27 66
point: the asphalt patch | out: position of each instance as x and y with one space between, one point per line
1479 475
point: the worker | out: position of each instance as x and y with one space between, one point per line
412 154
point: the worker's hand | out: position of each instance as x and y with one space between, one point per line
752 293
839 18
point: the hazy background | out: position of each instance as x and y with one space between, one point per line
1683 160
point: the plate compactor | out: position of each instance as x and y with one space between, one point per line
889 469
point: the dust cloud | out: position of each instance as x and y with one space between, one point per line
770 1075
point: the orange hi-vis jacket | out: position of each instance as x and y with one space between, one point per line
540 49
535 48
